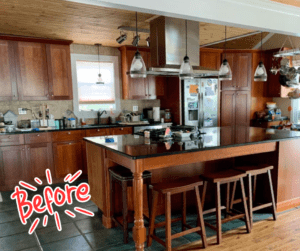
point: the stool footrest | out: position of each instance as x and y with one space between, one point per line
212 210
210 225
231 218
189 231
160 241
162 224
262 206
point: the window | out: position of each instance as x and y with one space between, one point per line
90 97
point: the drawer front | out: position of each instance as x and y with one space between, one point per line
11 140
120 130
38 138
97 132
71 135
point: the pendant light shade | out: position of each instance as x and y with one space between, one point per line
186 70
260 72
99 78
225 72
138 67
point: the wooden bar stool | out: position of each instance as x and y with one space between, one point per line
168 189
124 177
225 177
250 171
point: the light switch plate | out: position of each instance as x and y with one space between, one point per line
21 111
135 108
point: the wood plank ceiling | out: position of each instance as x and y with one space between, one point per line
85 24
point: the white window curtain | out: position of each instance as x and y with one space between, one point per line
295 111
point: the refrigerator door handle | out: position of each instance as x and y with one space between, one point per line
202 109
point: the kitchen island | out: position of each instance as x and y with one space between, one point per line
217 148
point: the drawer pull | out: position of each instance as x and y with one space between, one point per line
98 130
23 149
70 143
122 129
69 132
38 135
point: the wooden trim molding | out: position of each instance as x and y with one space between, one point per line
288 204
34 39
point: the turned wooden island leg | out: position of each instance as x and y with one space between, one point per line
139 230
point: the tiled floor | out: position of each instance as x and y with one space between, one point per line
82 232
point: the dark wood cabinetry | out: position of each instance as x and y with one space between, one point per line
241 66
32 71
210 58
136 88
235 108
8 76
59 70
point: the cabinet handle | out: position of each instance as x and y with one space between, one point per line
98 130
23 149
69 132
38 135
70 143
122 129
52 95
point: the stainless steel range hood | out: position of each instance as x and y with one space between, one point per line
167 47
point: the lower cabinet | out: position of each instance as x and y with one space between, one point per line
68 158
13 166
39 157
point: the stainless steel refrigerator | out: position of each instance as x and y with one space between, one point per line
200 98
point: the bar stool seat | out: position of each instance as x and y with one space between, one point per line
124 177
170 188
225 177
254 170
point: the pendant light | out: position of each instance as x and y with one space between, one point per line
138 67
186 70
99 78
260 72
225 72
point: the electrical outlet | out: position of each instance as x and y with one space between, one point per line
135 108
21 111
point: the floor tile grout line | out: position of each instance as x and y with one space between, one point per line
83 235
37 238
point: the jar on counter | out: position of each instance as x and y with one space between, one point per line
168 117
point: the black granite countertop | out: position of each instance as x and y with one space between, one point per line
80 128
138 147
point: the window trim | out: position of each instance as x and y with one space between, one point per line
94 58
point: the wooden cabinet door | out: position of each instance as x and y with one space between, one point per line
120 130
245 72
13 166
68 158
232 59
59 68
210 59
8 80
242 108
40 158
228 108
32 71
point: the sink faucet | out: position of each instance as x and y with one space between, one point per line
99 116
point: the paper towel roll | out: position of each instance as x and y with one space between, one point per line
156 113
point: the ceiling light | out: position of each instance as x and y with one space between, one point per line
121 38
138 67
99 78
225 72
260 73
186 70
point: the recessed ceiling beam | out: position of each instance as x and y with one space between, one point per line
265 39
127 28
229 39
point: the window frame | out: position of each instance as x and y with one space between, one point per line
93 58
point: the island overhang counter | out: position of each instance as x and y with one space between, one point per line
218 147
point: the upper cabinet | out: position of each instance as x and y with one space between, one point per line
32 71
210 58
136 88
241 66
35 69
8 78
59 70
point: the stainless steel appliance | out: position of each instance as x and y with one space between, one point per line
200 102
